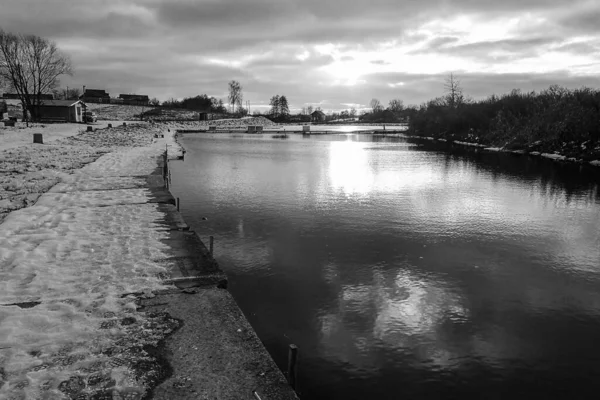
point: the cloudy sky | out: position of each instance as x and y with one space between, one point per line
332 53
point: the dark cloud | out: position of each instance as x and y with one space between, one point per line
579 48
439 42
519 47
581 20
177 48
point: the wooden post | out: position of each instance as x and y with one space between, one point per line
292 359
178 204
90 129
124 124
38 138
211 245
110 125
256 395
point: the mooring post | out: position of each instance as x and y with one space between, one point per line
211 244
38 138
292 359
178 204
256 395
90 129
110 125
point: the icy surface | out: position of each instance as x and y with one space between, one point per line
71 267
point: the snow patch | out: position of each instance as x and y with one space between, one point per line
553 156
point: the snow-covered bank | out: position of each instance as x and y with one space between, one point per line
69 325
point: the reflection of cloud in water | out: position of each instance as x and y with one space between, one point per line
413 306
400 314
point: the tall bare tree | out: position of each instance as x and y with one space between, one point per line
376 105
454 94
284 108
235 94
396 105
31 65
275 105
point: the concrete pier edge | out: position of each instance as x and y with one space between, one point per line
215 353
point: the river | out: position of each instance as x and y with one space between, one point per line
404 269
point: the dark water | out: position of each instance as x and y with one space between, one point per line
403 271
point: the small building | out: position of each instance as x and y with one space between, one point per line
317 116
135 99
95 96
62 110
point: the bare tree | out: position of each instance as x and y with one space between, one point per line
66 93
235 94
284 108
275 105
396 105
376 105
31 66
454 94
309 109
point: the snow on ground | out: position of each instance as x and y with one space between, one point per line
231 123
29 170
19 135
69 325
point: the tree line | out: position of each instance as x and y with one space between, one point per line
554 118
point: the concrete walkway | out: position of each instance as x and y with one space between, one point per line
104 291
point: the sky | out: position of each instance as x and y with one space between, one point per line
335 54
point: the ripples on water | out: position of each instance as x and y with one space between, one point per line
403 270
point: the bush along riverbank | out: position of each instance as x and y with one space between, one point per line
558 123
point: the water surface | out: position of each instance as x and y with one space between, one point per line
401 269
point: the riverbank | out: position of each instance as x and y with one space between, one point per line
104 290
558 122
542 151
